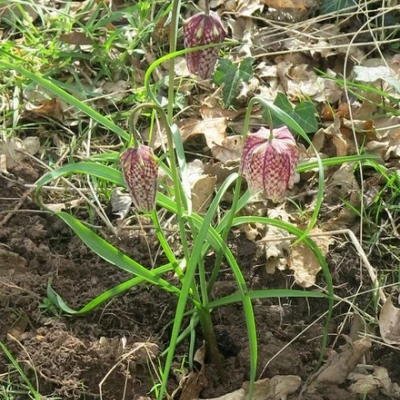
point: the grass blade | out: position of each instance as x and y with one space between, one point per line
105 296
54 87
317 252
112 255
13 361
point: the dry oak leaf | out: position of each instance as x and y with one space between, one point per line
76 38
339 365
45 109
202 193
276 388
367 383
389 322
214 129
303 261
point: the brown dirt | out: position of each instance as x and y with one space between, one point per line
72 355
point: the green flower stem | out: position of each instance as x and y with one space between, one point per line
176 5
204 314
224 234
204 311
207 7
166 247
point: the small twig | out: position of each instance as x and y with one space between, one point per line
10 213
79 191
122 359
11 337
392 222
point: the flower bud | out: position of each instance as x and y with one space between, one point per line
199 30
269 162
140 171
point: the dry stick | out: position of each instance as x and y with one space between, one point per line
10 213
392 222
368 266
123 358
26 194
92 190
316 48
80 192
34 186
11 337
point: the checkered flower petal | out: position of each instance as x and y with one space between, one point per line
269 163
140 171
200 30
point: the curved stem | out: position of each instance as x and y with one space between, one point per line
178 53
172 49
166 247
207 7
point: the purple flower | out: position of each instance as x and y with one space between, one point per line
140 171
199 30
269 162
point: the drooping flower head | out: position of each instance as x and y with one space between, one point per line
269 162
199 30
140 171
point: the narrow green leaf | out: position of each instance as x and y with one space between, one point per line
15 364
266 294
326 162
112 255
105 296
54 87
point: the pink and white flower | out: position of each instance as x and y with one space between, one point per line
269 162
140 171
199 30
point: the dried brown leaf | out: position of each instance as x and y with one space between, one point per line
276 388
389 322
367 383
303 261
286 4
229 150
214 129
202 193
76 38
339 365
45 109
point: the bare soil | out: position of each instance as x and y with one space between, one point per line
69 356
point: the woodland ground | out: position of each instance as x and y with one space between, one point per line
67 354
116 346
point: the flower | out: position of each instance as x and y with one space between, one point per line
199 30
140 171
269 162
